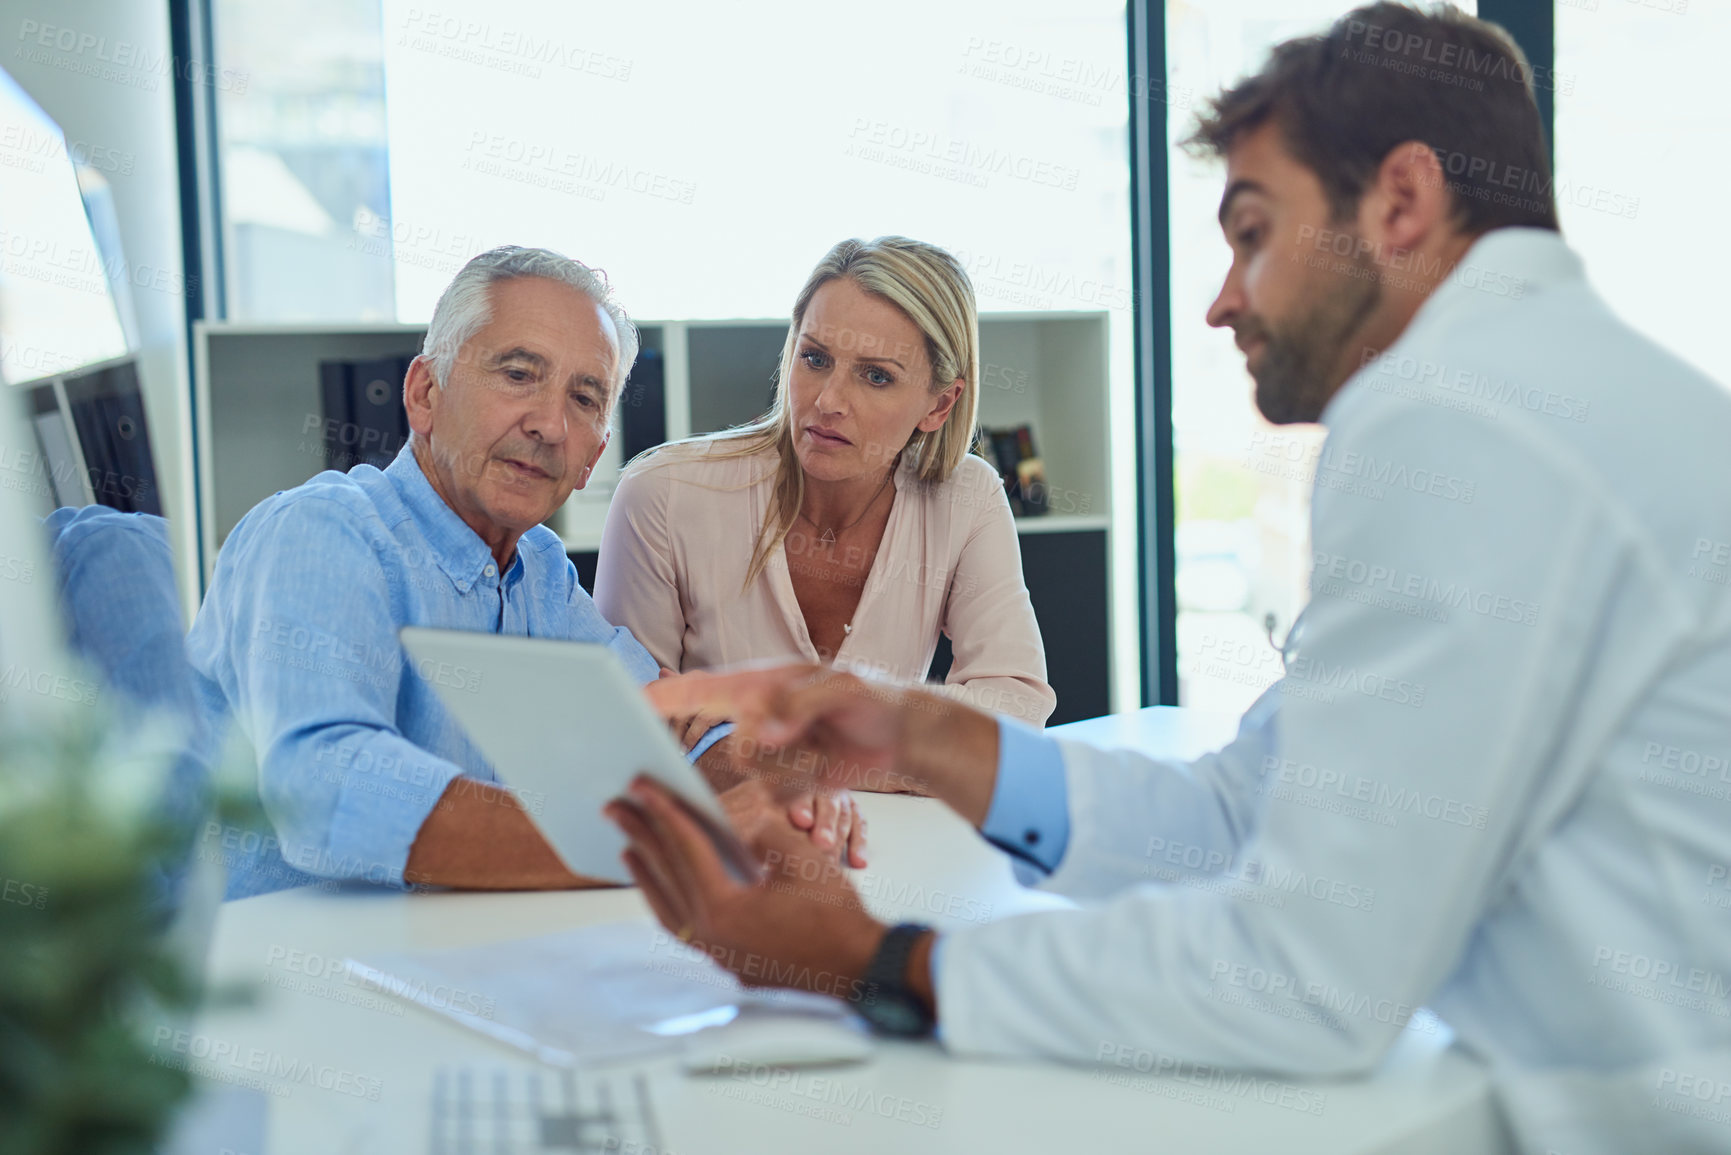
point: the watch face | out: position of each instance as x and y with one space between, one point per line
888 1004
896 1013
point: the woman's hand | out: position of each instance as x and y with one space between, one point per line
833 820
830 820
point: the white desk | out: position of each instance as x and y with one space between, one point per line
1425 1099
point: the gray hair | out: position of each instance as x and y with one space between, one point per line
466 305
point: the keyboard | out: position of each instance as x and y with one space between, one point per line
507 1110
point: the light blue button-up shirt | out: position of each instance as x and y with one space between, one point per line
115 576
297 638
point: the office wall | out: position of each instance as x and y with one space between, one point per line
102 69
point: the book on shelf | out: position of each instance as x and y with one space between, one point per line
1011 451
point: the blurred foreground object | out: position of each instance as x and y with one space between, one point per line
83 844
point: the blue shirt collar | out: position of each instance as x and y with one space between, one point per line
458 549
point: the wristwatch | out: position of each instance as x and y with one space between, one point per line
883 998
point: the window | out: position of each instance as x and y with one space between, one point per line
1640 117
707 160
704 155
1242 485
301 131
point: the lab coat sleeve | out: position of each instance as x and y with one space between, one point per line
1170 820
1448 625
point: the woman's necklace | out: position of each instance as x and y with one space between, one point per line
827 536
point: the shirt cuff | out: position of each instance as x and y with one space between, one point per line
710 737
1029 818
932 961
380 809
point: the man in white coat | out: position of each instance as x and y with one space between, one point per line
1495 779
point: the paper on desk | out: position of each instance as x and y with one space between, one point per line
598 994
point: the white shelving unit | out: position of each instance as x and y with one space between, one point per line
258 407
258 414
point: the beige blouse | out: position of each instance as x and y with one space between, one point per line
679 539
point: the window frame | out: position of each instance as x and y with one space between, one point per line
1532 23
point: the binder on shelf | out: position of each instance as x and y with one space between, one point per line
363 408
643 405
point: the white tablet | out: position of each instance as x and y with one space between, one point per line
567 729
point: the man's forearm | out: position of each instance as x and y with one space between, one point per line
722 765
478 838
944 749
951 750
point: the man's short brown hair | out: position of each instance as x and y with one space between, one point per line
1389 73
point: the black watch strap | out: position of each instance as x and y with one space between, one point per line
885 1000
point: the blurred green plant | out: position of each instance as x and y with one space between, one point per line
88 853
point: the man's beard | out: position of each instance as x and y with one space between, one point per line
1295 379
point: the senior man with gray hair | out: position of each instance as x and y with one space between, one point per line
362 772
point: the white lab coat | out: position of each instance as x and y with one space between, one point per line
1495 780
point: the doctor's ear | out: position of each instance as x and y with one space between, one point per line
1408 200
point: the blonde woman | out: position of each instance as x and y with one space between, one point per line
849 524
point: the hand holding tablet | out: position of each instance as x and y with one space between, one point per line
565 721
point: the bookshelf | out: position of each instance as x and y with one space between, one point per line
258 413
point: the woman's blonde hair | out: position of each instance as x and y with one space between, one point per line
932 288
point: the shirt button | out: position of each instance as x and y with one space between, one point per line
489 571
1031 837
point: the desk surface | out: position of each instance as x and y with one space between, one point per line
1424 1099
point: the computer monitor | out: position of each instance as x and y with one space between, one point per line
57 308
60 467
92 440
107 414
34 659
